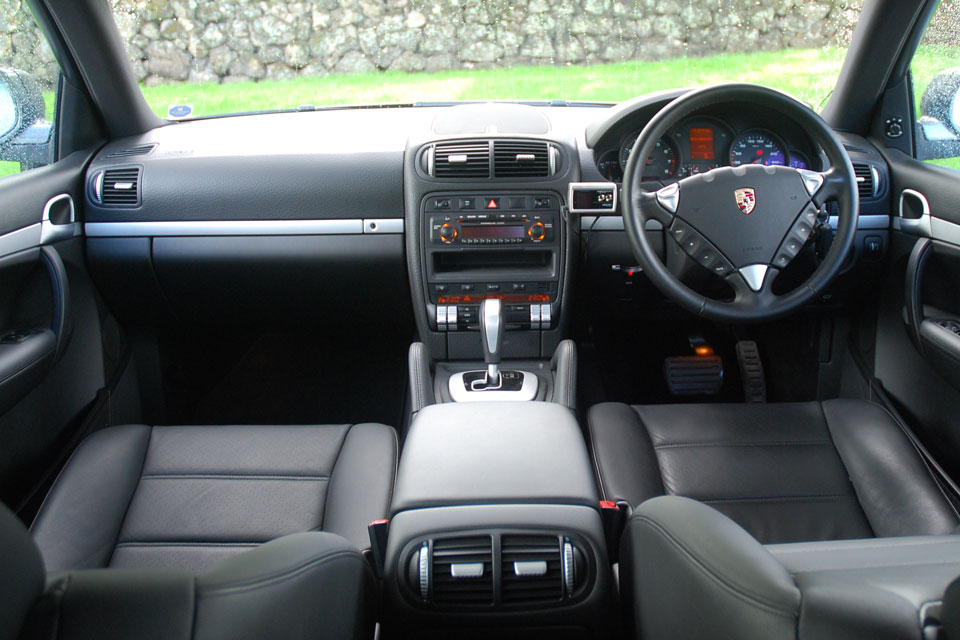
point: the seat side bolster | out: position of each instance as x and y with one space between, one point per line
894 487
689 571
362 482
306 581
623 455
78 524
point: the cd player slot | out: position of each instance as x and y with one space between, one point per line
536 263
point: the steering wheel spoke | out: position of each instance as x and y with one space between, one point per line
654 207
834 185
753 287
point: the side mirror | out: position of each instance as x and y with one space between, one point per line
938 127
21 104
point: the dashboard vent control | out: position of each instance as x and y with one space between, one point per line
868 180
117 187
459 160
139 150
524 159
462 571
532 569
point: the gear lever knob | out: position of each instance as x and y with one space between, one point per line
491 335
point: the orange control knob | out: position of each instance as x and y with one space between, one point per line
448 233
537 231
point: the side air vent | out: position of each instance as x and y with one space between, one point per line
139 150
118 187
532 569
523 159
868 180
462 571
459 160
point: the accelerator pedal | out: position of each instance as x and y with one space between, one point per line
696 375
751 372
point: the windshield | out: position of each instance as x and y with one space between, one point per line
196 59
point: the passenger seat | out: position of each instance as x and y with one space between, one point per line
188 498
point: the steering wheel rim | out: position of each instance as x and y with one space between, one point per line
754 300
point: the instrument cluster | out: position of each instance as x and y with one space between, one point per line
699 144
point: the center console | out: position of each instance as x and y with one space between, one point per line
496 526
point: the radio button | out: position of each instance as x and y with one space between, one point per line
468 203
493 286
466 288
537 231
448 233
519 286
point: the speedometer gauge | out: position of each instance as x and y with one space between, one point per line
756 147
661 164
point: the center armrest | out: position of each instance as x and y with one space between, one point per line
494 453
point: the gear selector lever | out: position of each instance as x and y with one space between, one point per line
491 334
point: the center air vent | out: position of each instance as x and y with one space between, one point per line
868 180
117 187
532 569
460 160
523 159
462 570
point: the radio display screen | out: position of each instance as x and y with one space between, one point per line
492 231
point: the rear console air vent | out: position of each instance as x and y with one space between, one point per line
462 570
523 159
868 180
139 150
459 160
532 569
117 187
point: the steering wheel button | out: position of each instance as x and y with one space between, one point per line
781 260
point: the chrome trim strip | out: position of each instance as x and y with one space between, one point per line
944 231
870 222
20 240
225 228
383 225
592 186
526 392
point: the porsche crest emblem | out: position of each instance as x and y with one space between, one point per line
746 200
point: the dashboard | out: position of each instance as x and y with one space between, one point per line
700 143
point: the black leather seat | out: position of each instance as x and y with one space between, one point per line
784 472
188 498
305 585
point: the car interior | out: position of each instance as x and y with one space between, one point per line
685 365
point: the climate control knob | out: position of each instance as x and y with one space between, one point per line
448 233
537 231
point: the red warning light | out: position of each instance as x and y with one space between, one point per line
491 204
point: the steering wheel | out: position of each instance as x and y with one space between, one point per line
746 223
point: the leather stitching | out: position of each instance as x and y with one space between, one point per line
278 577
326 494
825 497
143 462
735 590
229 476
161 543
866 518
772 443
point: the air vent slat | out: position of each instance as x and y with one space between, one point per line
121 187
471 591
139 150
530 589
866 185
462 160
520 159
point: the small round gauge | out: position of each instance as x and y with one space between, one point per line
756 147
609 166
798 160
661 164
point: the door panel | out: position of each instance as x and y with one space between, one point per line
51 361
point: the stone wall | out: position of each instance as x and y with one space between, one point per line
234 40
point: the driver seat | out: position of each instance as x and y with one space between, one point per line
798 472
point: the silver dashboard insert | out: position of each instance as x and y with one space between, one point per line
460 393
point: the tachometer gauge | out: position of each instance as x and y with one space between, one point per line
756 147
798 160
609 166
661 164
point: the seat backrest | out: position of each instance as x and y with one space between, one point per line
21 574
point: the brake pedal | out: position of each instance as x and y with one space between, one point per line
697 375
751 371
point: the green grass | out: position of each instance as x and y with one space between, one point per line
8 168
808 74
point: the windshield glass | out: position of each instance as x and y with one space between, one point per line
197 59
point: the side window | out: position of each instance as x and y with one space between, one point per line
29 77
935 73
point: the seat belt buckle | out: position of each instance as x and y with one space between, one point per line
377 530
612 516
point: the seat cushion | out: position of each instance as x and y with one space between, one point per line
784 472
189 497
